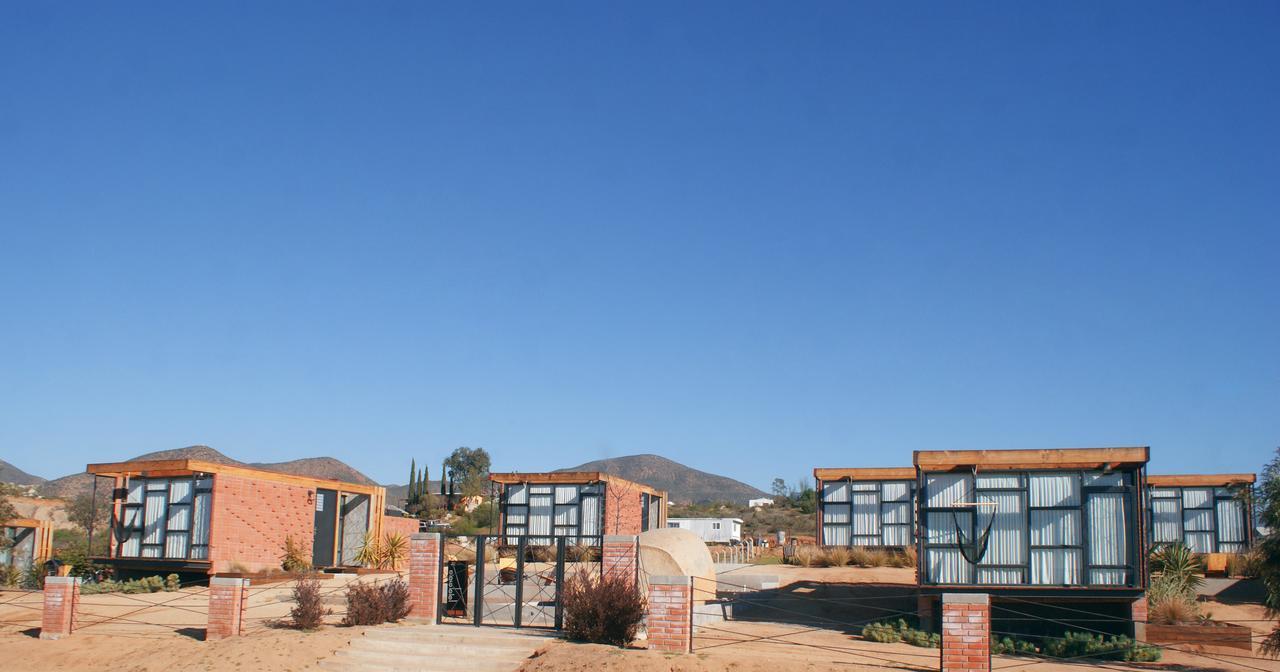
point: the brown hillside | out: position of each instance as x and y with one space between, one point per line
69 487
12 474
683 484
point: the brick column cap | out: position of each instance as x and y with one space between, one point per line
671 580
621 539
229 582
966 598
62 580
425 536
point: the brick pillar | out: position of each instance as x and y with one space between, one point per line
61 593
227 600
669 614
618 557
424 576
1138 611
966 632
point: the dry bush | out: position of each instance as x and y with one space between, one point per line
805 556
370 604
308 609
860 557
295 557
582 553
1174 611
877 557
836 556
909 556
602 609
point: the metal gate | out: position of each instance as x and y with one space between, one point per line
513 581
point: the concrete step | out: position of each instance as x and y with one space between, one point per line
437 648
481 648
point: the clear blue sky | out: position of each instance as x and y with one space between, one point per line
755 238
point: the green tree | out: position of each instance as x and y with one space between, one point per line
82 512
412 495
1268 548
779 487
468 470
6 512
444 475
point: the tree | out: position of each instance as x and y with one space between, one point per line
444 475
1268 548
82 512
412 496
468 470
779 487
6 512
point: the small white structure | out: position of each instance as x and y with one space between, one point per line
762 501
713 530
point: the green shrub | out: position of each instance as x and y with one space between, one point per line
890 633
1086 645
150 584
1009 645
171 583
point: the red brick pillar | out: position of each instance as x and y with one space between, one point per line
1138 611
424 576
669 614
966 632
227 600
618 557
61 593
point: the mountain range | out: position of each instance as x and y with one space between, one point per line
683 484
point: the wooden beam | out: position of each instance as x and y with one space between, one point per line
1049 458
1200 480
186 467
569 478
866 474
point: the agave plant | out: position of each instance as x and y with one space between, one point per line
393 551
370 551
1179 568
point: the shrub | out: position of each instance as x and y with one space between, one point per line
1085 645
836 556
877 557
1174 611
150 584
1244 565
900 631
860 557
308 608
393 552
295 558
804 556
172 583
602 609
1010 645
909 556
1180 567
370 604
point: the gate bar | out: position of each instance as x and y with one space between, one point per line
519 605
478 616
560 556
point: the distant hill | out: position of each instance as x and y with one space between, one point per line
396 494
12 474
683 484
68 487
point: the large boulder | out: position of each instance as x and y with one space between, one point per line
675 552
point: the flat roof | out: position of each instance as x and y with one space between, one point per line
866 474
569 477
675 520
186 467
1201 480
1046 458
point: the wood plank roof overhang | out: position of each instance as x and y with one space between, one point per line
1047 458
1200 480
866 474
570 478
26 522
186 467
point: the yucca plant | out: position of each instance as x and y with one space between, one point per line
392 551
1179 567
370 551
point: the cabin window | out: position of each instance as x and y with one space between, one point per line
1207 520
544 513
1034 525
867 513
165 518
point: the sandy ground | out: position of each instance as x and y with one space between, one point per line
165 631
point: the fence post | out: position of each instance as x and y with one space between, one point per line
424 576
61 593
669 615
227 598
966 632
618 557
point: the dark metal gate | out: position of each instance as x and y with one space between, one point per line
513 581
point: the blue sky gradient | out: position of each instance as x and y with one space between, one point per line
752 237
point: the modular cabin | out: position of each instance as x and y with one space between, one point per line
1209 513
30 543
191 516
580 506
711 530
1034 526
866 507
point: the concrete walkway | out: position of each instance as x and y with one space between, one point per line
438 648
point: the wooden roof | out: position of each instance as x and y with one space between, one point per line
25 522
570 477
1199 480
866 474
186 467
1049 458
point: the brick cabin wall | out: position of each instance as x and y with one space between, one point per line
251 518
622 513
398 525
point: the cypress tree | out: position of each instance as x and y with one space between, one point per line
413 483
444 475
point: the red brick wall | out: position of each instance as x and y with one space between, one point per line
621 508
618 557
61 593
669 622
227 598
966 633
251 518
424 576
396 524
